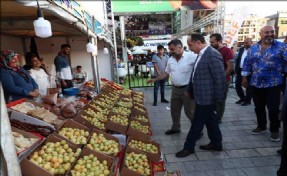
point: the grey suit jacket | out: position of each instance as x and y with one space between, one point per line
209 80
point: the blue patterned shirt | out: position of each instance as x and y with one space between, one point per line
265 67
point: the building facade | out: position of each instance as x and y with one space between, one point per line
279 21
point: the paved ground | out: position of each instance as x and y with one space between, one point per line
244 154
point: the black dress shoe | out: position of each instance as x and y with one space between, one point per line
154 104
169 132
245 104
183 153
164 101
210 147
239 101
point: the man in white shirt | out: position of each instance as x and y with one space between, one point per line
179 67
63 68
244 99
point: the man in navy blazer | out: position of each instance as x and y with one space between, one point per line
206 86
244 99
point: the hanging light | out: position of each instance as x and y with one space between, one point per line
42 27
106 51
90 47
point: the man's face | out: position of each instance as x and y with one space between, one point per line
79 70
214 43
66 50
175 50
247 43
160 52
192 45
267 34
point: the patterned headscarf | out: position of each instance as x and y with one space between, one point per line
6 57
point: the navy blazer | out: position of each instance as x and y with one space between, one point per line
208 84
15 85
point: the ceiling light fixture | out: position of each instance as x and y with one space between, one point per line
106 51
91 48
42 27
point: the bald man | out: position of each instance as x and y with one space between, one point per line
245 98
264 62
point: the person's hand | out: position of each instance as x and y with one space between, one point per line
150 81
64 84
34 93
244 82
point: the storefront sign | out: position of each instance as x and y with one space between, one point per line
78 11
128 6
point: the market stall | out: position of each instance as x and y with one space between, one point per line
108 135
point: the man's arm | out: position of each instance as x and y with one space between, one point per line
160 77
156 68
217 70
230 68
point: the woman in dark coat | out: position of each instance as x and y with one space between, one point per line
16 82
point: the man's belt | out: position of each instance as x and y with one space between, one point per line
180 86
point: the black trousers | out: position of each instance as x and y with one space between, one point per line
204 115
283 166
239 89
69 85
269 97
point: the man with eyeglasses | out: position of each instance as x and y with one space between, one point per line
264 62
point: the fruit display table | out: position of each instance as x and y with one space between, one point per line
110 135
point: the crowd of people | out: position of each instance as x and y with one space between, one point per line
35 78
201 78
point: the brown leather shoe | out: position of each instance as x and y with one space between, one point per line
183 153
169 132
210 147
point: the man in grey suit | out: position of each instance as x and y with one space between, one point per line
206 86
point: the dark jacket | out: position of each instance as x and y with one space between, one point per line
238 60
284 107
15 85
208 84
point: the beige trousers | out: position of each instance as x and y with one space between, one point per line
179 100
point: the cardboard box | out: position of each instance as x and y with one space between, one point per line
131 132
81 120
94 109
73 124
154 157
24 153
116 127
101 157
133 117
28 168
125 171
108 137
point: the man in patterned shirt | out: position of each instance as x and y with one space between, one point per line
264 62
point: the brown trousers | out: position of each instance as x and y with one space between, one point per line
179 100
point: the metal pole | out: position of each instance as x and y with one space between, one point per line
115 43
94 62
123 37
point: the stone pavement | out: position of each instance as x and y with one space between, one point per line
243 154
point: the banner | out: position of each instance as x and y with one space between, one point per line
136 6
239 16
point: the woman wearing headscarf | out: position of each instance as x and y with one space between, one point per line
16 81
